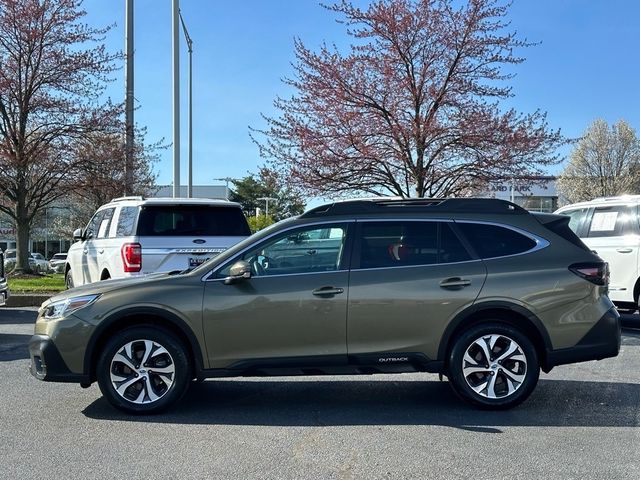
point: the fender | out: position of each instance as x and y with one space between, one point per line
170 317
491 305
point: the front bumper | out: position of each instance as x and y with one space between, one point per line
4 292
48 365
602 341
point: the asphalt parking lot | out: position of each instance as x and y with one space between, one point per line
582 422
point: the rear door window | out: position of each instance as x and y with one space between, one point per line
612 221
407 243
192 220
492 241
126 221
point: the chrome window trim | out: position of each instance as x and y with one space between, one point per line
205 277
427 265
540 243
284 275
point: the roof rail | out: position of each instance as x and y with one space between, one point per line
617 198
380 204
121 199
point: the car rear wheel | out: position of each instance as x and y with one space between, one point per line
493 365
143 370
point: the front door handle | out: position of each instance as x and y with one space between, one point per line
101 250
322 291
455 282
624 250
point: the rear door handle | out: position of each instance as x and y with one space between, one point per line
101 250
455 282
85 251
322 291
624 250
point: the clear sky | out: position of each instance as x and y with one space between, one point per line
587 66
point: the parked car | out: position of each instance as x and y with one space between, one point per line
10 261
479 290
42 265
4 289
58 262
133 236
611 227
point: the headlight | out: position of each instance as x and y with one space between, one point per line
65 307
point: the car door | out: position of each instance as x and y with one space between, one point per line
613 233
408 279
293 309
94 247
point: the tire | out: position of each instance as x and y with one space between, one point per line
502 381
68 280
143 388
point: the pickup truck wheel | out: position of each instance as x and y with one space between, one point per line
493 366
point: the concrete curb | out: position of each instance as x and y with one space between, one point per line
27 299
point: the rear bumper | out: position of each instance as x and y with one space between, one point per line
602 341
48 365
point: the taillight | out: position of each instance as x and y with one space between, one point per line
594 272
131 257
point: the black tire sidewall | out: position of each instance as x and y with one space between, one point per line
161 336
459 383
68 280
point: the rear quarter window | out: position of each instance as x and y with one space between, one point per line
491 241
192 220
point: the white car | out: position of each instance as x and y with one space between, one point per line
10 261
57 262
42 265
611 227
133 236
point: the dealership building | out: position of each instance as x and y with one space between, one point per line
536 194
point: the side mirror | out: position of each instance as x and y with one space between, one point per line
77 234
239 271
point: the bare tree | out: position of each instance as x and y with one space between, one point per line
101 176
605 162
53 71
412 109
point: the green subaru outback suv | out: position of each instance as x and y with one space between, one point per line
479 290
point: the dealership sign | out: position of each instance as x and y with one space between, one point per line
7 232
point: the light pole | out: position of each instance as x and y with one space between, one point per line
128 154
176 97
266 200
190 50
46 232
226 187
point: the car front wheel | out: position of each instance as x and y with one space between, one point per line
493 366
143 370
68 280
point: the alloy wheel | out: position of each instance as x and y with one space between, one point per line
494 366
142 371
